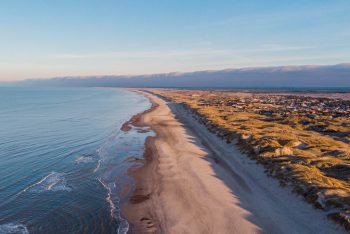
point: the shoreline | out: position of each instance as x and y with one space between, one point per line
185 176
145 179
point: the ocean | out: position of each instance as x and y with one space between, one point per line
64 159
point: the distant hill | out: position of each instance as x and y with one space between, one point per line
284 76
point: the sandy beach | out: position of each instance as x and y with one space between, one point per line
193 182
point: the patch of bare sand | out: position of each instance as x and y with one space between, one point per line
177 190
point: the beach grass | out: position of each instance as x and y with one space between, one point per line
310 154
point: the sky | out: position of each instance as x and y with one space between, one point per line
43 39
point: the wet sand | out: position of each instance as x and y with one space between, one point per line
193 182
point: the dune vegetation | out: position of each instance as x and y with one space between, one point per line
302 141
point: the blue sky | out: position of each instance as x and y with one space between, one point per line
41 39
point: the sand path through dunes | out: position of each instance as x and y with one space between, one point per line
187 185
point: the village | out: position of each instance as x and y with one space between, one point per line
282 105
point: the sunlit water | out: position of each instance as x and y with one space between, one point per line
63 159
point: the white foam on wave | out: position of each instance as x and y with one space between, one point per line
13 228
109 197
105 149
84 159
123 225
52 182
98 165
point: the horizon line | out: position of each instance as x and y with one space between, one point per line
179 72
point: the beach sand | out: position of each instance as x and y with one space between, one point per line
193 182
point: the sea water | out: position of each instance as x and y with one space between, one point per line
64 159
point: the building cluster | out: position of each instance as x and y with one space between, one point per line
282 105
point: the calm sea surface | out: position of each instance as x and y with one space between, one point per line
63 159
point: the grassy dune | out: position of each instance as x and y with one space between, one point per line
307 150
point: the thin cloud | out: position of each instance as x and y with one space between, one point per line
178 53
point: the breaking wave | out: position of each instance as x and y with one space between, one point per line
52 182
113 201
13 228
84 159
